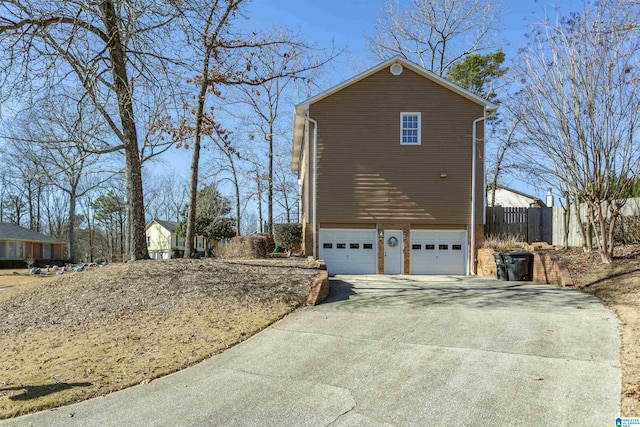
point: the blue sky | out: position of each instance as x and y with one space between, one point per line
347 23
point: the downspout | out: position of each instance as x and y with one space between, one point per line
315 162
472 257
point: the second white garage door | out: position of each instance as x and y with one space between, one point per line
348 251
438 252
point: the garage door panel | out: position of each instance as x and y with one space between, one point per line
348 251
438 252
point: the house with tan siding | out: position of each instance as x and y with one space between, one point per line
391 172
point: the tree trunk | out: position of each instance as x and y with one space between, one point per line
18 209
611 231
566 215
195 158
38 205
237 190
133 167
30 203
122 221
259 200
590 228
72 225
270 189
583 234
603 242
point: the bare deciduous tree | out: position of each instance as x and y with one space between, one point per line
108 52
54 141
434 33
264 101
285 187
226 57
579 107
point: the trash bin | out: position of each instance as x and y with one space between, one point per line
518 265
501 268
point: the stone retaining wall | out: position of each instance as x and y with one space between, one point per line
319 288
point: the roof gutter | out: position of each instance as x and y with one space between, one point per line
472 257
315 174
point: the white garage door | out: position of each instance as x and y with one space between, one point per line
348 251
438 252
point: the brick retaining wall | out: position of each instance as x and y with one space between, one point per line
547 268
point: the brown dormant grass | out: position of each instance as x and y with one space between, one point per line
90 333
618 286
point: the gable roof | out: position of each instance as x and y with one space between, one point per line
171 226
303 107
9 231
535 199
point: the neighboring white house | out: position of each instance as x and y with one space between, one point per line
510 198
164 242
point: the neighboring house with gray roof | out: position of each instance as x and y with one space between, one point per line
18 243
164 241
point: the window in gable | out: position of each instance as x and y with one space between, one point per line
410 129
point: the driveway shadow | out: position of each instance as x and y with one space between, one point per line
473 292
36 391
339 290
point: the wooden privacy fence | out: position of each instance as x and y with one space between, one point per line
574 237
527 224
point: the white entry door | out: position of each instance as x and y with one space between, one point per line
393 252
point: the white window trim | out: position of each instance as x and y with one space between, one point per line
406 113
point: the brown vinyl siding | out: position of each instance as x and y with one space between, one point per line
56 252
366 176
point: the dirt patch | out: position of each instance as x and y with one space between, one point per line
618 286
87 334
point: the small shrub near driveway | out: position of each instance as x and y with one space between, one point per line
242 247
503 243
287 235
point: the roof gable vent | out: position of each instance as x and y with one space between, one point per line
396 69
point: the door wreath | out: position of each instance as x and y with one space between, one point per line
392 242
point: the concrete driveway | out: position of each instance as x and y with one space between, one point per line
400 350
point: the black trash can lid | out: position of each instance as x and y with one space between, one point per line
518 254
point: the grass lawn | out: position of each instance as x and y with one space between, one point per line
13 282
618 286
80 335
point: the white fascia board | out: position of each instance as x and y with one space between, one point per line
297 137
413 67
